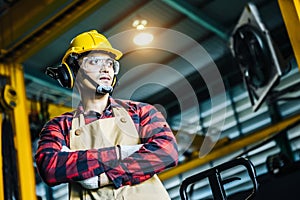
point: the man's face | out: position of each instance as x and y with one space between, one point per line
100 67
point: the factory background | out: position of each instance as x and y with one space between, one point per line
225 74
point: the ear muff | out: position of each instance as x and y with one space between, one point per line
69 70
65 76
66 72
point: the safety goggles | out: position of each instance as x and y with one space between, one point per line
94 64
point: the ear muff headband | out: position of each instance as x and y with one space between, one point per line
114 81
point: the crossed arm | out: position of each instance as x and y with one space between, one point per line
157 152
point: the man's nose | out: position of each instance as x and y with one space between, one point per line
104 69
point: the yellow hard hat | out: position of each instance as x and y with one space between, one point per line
91 41
84 42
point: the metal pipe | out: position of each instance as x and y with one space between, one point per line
199 18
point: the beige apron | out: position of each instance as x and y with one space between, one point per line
118 130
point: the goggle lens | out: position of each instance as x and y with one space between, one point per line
93 64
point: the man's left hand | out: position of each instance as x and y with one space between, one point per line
90 183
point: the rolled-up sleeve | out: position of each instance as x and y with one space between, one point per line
56 166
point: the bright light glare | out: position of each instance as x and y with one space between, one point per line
143 39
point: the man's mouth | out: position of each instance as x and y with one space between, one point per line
105 78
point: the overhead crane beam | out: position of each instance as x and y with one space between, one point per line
52 28
22 17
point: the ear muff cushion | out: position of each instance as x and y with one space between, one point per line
72 63
65 76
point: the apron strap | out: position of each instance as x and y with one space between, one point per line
77 121
120 111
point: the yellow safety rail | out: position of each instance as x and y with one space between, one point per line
231 147
53 109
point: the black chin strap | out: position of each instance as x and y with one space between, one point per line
100 89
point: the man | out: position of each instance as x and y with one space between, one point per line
106 148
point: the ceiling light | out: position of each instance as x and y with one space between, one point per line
139 24
143 38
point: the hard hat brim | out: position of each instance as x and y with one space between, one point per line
118 54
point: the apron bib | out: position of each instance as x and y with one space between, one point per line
118 130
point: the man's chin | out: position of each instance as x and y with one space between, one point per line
105 83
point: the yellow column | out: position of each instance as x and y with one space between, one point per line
22 139
1 166
290 10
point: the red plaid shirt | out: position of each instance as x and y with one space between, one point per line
159 150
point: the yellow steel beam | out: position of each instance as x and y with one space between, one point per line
230 148
51 29
290 10
20 124
53 109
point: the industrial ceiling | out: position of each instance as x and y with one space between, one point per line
37 35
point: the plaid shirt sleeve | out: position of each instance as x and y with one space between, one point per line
56 166
159 150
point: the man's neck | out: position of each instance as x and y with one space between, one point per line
98 103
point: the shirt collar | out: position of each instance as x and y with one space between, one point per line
107 111
113 103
